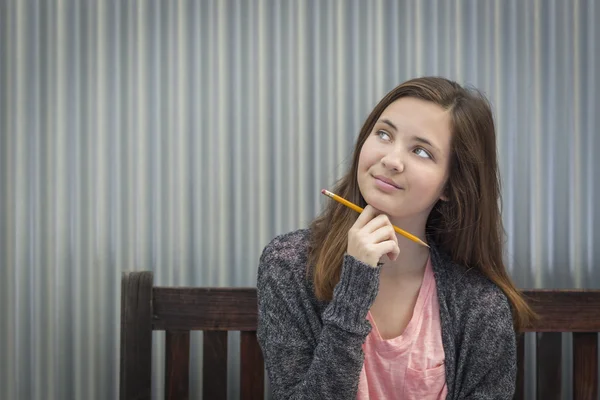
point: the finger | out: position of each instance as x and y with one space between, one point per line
393 255
388 247
376 223
386 232
367 215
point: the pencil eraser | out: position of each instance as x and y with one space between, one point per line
323 191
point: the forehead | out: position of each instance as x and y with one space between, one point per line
420 117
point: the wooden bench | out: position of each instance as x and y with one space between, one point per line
179 310
576 311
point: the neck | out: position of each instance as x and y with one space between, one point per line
413 256
411 261
414 224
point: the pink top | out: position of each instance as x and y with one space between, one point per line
410 366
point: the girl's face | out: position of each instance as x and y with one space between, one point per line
404 163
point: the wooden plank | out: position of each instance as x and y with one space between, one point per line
205 309
252 367
177 372
214 376
520 389
235 309
549 354
565 310
585 366
136 336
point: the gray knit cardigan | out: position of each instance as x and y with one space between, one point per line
313 349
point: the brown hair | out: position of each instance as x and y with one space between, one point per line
467 227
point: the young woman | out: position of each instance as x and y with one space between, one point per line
348 309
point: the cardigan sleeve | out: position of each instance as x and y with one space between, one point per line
299 365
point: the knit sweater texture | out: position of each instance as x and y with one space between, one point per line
313 349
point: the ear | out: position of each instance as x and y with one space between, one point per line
444 196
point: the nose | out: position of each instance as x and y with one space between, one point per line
393 162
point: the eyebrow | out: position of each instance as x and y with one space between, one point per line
387 121
417 138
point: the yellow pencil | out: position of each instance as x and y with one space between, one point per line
360 210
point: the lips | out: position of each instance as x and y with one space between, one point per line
387 180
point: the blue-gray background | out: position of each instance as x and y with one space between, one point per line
181 136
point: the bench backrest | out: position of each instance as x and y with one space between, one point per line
180 310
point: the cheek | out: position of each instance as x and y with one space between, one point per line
368 156
363 160
431 182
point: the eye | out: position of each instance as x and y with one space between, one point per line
384 135
421 152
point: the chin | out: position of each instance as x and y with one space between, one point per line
380 202
394 208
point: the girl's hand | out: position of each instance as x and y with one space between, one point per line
372 236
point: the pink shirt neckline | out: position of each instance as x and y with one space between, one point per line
409 366
405 340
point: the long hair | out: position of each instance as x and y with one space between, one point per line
467 227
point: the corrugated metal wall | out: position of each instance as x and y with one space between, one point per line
180 136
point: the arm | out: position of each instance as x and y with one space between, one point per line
300 365
490 360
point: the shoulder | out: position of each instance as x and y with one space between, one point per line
470 295
285 256
291 247
479 331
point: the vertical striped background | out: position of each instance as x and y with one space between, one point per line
181 136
